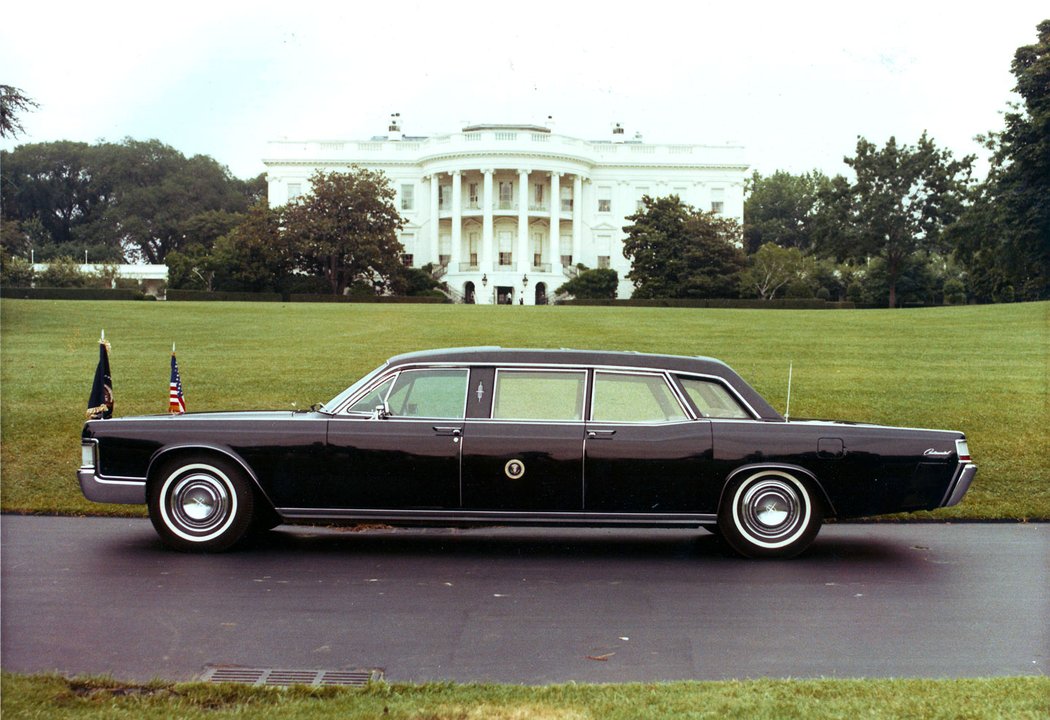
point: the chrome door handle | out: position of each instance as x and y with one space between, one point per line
444 430
600 434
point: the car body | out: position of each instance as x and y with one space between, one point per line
511 436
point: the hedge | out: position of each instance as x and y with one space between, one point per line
413 299
780 303
73 294
223 296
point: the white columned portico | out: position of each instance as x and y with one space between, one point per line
457 220
488 239
435 219
523 222
554 234
577 225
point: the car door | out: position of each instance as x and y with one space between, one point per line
527 455
406 455
643 452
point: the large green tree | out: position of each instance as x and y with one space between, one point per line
1004 236
677 251
899 204
136 200
782 209
346 228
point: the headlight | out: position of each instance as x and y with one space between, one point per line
87 454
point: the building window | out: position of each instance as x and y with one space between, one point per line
294 191
537 197
639 205
406 260
408 197
566 199
472 196
506 244
506 196
444 196
603 261
472 245
718 196
604 199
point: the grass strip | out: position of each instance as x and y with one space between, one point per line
51 696
984 370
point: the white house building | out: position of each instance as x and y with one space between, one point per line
507 211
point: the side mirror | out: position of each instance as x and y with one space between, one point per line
382 412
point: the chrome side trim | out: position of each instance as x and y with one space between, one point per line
496 517
959 485
123 492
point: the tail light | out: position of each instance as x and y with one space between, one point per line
963 450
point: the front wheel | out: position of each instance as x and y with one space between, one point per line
769 513
201 504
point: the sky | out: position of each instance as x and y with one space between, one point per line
795 83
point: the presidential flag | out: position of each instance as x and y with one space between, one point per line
100 404
176 403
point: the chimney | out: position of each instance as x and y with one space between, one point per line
617 133
395 126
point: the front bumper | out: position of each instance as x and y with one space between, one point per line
959 485
124 491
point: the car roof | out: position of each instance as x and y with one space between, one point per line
494 355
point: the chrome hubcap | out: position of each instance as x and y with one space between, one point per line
200 502
771 509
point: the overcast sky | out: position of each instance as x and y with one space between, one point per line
794 82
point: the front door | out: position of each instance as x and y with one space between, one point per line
527 455
408 455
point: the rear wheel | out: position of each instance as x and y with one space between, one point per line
769 513
201 504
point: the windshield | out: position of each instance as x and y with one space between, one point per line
330 406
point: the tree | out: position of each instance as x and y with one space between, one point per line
903 198
772 268
346 228
677 251
12 103
1004 235
781 209
596 284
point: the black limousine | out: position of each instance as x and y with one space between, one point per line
538 437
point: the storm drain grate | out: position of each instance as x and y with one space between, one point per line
274 676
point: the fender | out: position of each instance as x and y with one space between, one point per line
164 452
797 469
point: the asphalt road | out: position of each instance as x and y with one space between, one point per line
97 595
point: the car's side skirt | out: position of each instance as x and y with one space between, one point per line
489 517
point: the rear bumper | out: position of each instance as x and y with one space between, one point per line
124 491
959 485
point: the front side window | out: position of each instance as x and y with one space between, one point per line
539 395
375 398
435 393
620 397
712 399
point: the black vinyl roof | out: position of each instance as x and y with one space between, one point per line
492 355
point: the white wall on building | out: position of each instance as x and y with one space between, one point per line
466 210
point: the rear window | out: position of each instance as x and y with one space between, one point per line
712 399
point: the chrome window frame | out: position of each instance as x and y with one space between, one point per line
753 414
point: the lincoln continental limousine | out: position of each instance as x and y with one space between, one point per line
532 437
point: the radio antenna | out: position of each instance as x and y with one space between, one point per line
787 411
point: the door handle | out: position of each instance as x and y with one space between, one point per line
446 430
600 434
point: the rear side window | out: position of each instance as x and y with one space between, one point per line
634 398
539 395
712 399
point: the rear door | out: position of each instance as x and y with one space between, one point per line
527 455
644 453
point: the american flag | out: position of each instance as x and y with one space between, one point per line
176 403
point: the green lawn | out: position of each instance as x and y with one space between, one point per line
983 370
1015 698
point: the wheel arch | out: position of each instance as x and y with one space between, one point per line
170 452
822 494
